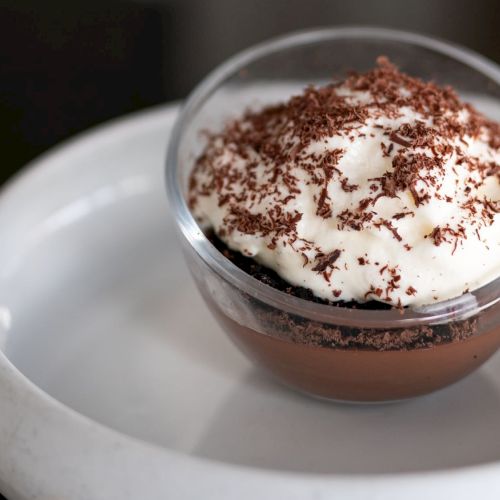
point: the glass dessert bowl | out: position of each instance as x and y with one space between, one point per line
331 351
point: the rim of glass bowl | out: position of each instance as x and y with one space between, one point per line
457 308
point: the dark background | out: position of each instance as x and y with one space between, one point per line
65 66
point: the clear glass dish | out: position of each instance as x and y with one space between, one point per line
295 339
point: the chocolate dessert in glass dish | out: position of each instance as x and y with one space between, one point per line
348 236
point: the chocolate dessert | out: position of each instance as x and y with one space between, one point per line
376 193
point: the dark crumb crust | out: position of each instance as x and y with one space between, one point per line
299 330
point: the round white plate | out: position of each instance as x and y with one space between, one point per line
117 384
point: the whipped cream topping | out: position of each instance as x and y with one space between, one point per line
380 187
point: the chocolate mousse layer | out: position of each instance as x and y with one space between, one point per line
347 363
312 333
360 374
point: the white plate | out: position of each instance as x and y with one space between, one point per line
133 390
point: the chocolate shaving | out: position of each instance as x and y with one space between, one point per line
348 188
388 224
401 215
325 261
399 140
447 234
